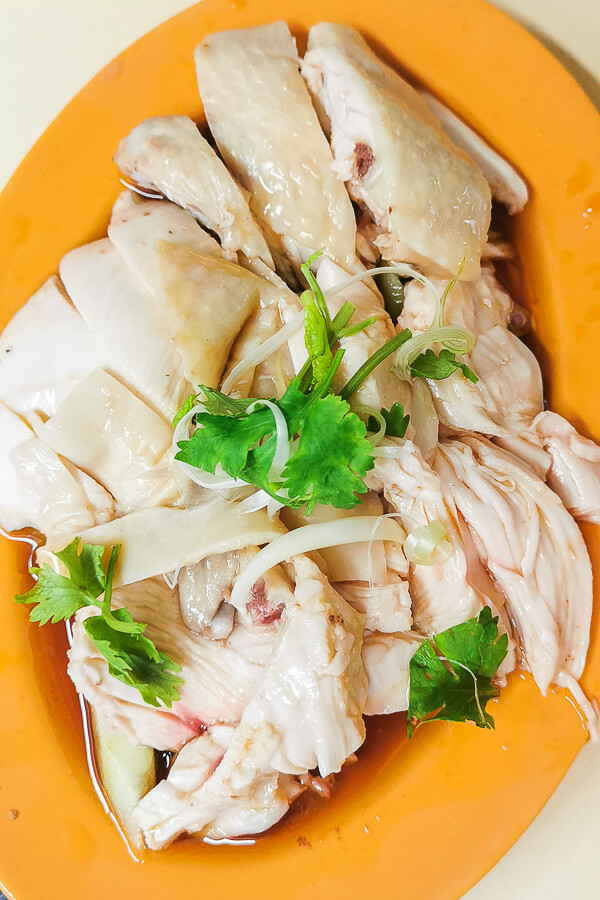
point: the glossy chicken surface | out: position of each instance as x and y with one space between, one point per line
201 284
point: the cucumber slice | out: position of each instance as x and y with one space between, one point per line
126 773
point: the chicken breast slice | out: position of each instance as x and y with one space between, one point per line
509 390
137 226
134 329
38 490
505 183
45 350
110 433
269 136
442 595
159 540
306 712
574 471
168 154
532 548
390 148
475 306
387 659
219 677
162 244
371 575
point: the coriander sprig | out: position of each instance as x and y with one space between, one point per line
131 657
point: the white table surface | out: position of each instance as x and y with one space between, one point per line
48 50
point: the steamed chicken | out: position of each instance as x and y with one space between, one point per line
283 447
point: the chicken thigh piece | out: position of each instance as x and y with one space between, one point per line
305 713
269 136
219 677
389 148
169 155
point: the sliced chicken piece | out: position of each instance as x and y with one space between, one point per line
271 377
38 490
347 562
218 677
442 595
108 432
306 712
574 472
507 395
205 589
475 306
269 136
158 540
387 659
370 576
168 154
506 184
135 330
137 226
509 392
532 548
229 295
386 607
15 510
59 498
390 149
45 350
145 232
217 788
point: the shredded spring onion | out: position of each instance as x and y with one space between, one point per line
351 530
220 480
367 412
448 336
282 445
262 352
399 268
427 545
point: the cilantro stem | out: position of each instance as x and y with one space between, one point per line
326 383
107 613
354 329
316 290
373 361
342 317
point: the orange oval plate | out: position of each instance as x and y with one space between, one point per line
433 815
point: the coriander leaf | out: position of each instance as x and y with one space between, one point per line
225 440
396 422
57 598
451 674
332 457
218 404
135 660
84 564
184 409
428 365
